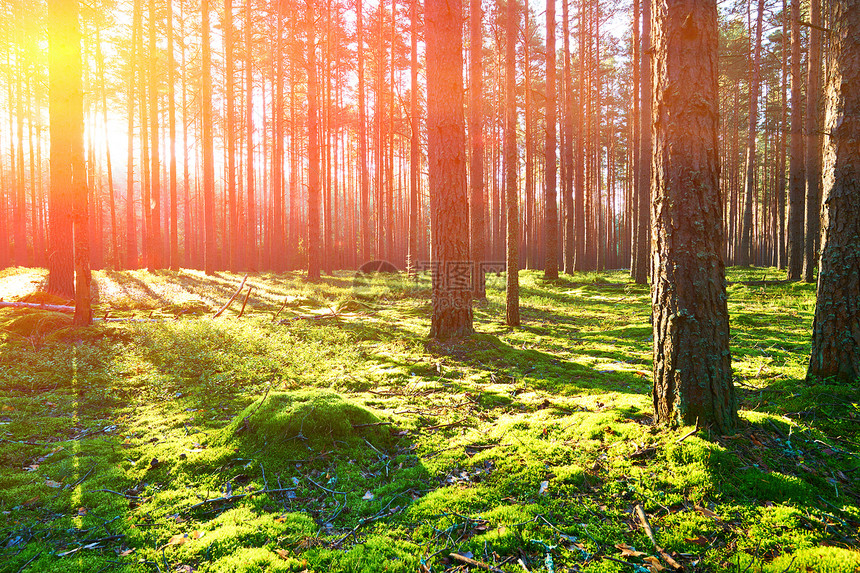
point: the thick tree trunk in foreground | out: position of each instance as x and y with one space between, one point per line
446 136
692 364
512 288
64 47
836 329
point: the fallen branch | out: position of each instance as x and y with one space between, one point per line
356 426
440 426
232 298
640 513
53 307
125 495
473 563
240 496
687 435
244 302
283 306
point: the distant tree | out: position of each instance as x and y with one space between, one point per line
797 164
692 363
512 288
210 249
812 134
836 328
446 136
744 256
477 224
550 201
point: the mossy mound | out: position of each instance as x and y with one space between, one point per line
40 297
33 322
296 421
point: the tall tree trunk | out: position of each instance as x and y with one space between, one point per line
232 242
414 143
836 328
153 247
64 49
477 224
171 113
313 149
783 124
446 137
550 201
813 145
567 146
643 191
364 176
637 234
512 288
797 164
692 363
251 258
210 249
745 256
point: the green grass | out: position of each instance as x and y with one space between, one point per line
388 452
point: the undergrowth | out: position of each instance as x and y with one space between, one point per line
321 431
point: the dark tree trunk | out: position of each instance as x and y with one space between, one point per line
813 145
797 166
210 248
477 225
446 136
550 202
512 296
692 363
744 255
836 329
313 150
643 192
567 147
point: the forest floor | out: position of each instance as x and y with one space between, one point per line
335 437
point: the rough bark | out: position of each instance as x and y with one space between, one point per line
446 136
836 328
692 363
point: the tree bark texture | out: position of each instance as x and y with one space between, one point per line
836 328
446 136
692 363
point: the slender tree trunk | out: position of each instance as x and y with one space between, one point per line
251 256
512 297
153 247
813 145
476 144
550 200
414 144
643 191
364 176
783 124
210 248
745 256
232 242
692 363
313 150
797 165
836 328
